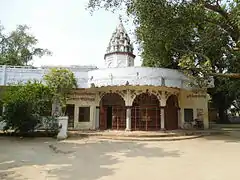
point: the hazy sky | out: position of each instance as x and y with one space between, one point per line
64 26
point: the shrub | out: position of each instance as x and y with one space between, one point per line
50 124
24 106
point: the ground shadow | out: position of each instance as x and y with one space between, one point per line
72 159
226 137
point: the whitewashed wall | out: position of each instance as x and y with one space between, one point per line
137 76
88 76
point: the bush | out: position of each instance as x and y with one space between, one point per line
50 124
19 116
24 106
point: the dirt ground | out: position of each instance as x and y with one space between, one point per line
208 158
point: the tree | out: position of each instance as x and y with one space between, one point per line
61 82
25 104
199 37
19 47
173 33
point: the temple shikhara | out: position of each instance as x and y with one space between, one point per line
122 96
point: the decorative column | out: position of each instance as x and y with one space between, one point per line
97 117
162 119
180 123
128 119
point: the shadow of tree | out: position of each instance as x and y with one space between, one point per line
71 159
228 138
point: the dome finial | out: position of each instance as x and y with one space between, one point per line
120 18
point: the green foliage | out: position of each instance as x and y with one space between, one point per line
19 47
61 82
200 37
207 32
25 104
50 124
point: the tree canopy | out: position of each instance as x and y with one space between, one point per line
61 82
19 47
199 37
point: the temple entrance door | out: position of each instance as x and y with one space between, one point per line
145 113
171 113
102 118
112 112
109 117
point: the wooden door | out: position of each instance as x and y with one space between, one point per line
70 113
103 118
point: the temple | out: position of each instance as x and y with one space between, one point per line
122 96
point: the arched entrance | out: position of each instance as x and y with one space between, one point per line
112 112
171 113
146 113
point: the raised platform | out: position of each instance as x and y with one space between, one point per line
144 135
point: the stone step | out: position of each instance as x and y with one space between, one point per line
121 138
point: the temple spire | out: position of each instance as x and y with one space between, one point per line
120 49
120 18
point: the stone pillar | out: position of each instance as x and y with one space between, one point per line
63 125
76 116
97 117
128 119
205 119
179 119
162 119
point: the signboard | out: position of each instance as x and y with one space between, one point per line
196 96
84 96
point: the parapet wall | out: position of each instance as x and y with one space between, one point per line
91 76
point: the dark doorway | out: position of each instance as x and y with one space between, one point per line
70 113
112 112
171 113
109 117
146 113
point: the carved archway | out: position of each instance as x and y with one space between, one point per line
112 112
145 112
171 113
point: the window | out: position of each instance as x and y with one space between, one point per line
188 115
84 114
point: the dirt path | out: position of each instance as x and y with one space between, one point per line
210 158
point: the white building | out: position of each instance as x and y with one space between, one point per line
122 96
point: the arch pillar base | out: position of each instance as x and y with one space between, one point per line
162 119
128 119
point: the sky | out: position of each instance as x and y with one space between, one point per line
66 28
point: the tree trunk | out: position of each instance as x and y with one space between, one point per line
56 108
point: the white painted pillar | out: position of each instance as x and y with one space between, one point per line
97 118
162 119
205 119
63 125
128 119
76 116
180 124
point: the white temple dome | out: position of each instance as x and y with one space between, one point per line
120 49
120 41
